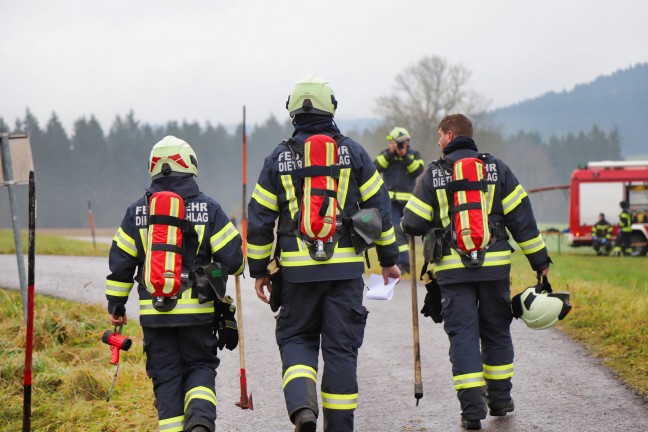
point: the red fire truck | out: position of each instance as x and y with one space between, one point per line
598 187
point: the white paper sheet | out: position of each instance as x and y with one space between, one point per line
377 290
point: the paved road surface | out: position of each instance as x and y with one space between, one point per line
558 386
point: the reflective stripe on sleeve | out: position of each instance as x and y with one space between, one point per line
118 289
382 161
125 243
265 198
386 237
371 187
222 237
258 252
513 199
420 208
533 245
414 165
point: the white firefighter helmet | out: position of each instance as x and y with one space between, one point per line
540 308
398 134
312 94
172 155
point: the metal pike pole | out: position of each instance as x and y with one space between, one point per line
29 345
246 400
418 383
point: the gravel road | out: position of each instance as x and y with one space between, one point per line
558 385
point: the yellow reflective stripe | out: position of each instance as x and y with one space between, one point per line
173 424
125 243
490 197
239 270
420 208
343 186
382 161
403 248
444 208
498 372
303 258
118 289
200 230
492 259
399 196
199 392
469 380
291 196
387 237
143 236
414 165
265 198
258 251
184 306
371 187
219 240
533 245
513 199
340 401
298 371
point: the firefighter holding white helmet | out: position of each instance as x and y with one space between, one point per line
182 332
319 286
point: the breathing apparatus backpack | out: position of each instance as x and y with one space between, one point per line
469 234
164 274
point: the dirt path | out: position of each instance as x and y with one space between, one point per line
558 386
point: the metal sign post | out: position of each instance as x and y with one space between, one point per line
16 146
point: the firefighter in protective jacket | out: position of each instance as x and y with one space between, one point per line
399 166
180 344
321 300
475 301
602 236
622 244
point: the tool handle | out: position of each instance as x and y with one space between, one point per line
114 359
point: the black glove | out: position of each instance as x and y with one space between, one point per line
225 324
432 303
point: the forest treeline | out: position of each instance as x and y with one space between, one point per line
109 168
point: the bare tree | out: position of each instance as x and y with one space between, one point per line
424 93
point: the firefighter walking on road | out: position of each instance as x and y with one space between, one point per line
322 290
399 166
475 303
622 244
179 331
602 236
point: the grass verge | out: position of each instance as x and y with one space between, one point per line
47 244
71 370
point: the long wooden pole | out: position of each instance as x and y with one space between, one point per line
29 345
418 383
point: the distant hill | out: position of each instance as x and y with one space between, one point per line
619 99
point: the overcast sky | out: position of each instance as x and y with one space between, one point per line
204 60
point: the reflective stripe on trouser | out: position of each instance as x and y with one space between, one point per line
477 318
182 363
332 311
401 240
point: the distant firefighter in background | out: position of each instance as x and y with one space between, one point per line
622 244
602 236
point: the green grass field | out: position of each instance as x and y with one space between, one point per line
72 372
48 244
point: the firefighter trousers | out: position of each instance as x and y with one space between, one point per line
477 318
182 363
330 312
397 208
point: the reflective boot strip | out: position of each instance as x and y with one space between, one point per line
340 401
470 380
453 261
298 371
302 258
173 424
498 372
184 306
199 393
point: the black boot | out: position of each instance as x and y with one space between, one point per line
470 424
499 411
199 429
305 420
